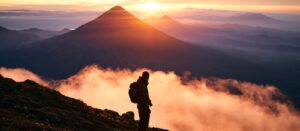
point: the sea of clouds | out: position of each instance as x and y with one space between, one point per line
180 103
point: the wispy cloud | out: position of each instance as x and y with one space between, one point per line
285 6
20 74
45 19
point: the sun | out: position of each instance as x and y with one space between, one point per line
150 6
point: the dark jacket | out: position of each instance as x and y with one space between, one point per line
142 92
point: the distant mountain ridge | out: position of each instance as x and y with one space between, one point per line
252 17
222 35
3 29
44 34
10 39
211 16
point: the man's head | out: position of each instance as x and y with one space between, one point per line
145 75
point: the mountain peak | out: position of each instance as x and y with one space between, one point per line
116 12
117 8
165 20
166 17
114 19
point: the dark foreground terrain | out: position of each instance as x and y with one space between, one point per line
29 106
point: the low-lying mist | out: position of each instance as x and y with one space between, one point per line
180 103
20 74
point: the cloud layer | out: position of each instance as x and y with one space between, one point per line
20 74
181 104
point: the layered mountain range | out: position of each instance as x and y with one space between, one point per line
14 38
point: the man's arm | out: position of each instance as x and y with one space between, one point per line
148 98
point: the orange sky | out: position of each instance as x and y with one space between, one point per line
274 6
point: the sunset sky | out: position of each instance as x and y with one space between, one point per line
274 6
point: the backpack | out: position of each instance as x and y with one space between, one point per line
133 95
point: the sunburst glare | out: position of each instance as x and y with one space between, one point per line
150 6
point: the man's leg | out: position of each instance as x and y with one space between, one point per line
144 114
147 117
140 127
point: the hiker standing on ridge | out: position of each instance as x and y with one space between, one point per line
138 93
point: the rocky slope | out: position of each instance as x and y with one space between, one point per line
29 106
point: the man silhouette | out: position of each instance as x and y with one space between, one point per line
144 101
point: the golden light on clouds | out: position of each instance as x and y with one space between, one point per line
147 6
192 105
